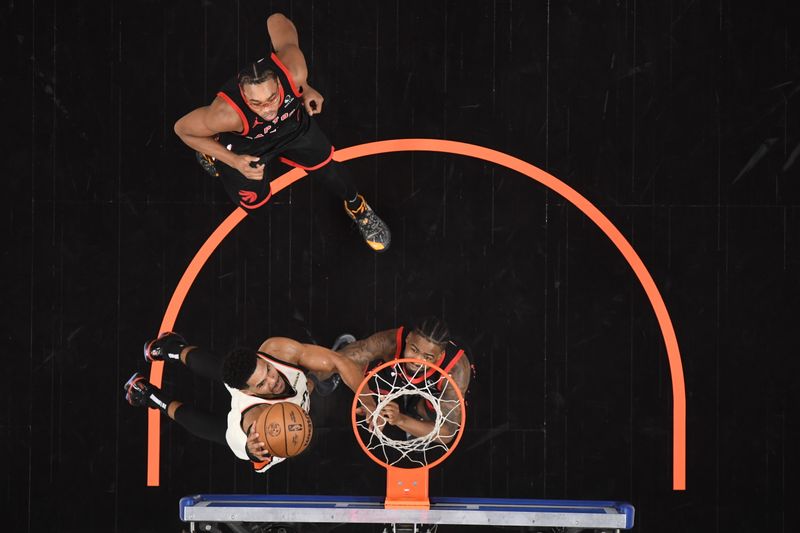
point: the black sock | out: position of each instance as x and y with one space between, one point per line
202 424
204 363
158 399
335 178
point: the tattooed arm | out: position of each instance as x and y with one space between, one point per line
422 424
378 346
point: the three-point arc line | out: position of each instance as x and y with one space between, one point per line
492 156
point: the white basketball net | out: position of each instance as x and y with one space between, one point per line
419 451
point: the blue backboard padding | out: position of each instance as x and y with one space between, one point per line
443 503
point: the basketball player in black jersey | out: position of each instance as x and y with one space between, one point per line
263 114
429 340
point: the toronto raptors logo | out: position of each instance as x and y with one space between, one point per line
274 429
248 197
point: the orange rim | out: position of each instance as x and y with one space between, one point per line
370 375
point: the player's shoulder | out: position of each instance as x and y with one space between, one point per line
463 365
282 348
223 114
454 348
390 339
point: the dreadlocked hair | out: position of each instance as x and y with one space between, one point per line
433 329
256 73
238 366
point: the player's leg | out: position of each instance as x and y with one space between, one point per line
141 393
244 192
173 347
313 152
373 230
201 423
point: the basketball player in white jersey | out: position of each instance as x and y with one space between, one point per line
256 379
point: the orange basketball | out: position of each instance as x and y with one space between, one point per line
286 429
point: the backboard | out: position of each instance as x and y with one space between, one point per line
226 508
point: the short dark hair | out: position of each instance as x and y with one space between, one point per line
255 73
238 366
433 329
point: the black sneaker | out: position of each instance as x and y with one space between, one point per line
167 346
374 230
324 388
207 162
342 340
141 393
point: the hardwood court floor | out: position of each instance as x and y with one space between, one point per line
677 120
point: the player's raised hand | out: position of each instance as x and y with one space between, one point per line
312 100
391 413
255 446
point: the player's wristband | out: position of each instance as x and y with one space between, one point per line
260 466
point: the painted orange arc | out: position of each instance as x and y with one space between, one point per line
492 156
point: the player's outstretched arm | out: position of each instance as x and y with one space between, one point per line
422 425
285 42
461 374
379 346
198 128
314 358
416 426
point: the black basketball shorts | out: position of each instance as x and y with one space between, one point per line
310 150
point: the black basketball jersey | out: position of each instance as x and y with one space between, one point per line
259 136
431 381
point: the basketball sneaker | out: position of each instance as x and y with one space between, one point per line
141 393
325 387
167 346
207 162
374 230
342 340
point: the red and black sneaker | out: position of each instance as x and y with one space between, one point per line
165 347
141 393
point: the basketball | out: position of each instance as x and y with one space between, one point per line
286 429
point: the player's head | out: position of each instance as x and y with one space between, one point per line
245 370
427 340
260 89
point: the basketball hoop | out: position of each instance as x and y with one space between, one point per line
408 460
407 507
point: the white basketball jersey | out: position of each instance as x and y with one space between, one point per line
297 392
